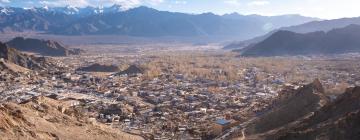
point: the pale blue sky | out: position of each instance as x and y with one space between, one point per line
327 9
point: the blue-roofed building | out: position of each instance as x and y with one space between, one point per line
223 122
221 125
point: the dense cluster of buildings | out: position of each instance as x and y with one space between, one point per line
167 107
170 106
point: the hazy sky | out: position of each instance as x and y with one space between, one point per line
328 9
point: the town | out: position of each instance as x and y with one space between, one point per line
176 95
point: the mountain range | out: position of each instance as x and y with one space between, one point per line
280 43
314 26
139 21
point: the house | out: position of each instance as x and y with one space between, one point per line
221 125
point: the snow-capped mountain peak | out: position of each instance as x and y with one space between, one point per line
68 10
6 10
46 7
115 8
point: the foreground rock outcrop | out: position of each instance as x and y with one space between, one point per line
337 120
290 107
308 114
43 118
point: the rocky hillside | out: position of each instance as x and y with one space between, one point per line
11 55
336 41
42 118
337 120
308 114
42 47
290 106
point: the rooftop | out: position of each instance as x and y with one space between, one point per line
223 122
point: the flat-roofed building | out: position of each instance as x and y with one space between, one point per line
221 125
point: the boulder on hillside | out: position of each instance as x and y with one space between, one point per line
132 70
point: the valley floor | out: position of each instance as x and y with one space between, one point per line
178 94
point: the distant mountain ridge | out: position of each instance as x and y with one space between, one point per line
68 10
140 21
323 25
336 41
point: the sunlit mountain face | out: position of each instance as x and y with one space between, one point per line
140 21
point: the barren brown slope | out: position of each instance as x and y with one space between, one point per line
11 55
290 107
42 47
337 120
42 119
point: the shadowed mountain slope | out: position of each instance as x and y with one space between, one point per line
42 47
11 55
314 26
306 113
336 41
140 21
290 107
